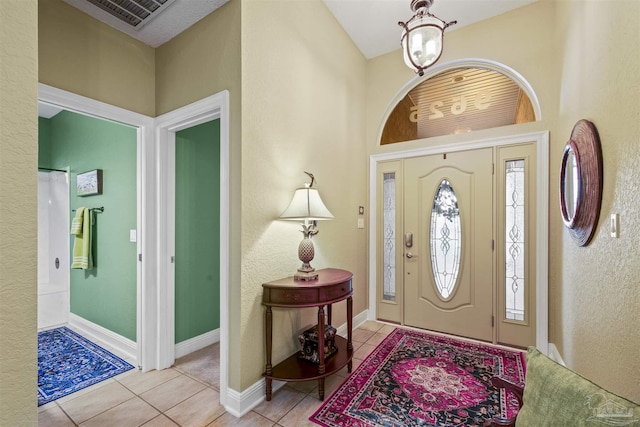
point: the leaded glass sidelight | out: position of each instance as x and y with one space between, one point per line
445 239
515 240
389 236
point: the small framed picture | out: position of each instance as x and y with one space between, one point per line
89 183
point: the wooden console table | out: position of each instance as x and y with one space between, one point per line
332 286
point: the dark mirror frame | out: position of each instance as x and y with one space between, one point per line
585 144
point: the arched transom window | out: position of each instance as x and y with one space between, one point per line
458 101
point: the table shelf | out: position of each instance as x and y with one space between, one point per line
295 369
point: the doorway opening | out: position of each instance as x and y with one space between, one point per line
82 122
191 117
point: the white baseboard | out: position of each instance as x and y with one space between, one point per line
239 403
358 320
124 347
196 343
554 354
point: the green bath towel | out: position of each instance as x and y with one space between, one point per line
82 256
76 223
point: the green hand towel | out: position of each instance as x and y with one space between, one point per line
82 256
76 223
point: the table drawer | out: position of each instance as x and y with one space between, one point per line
290 296
331 293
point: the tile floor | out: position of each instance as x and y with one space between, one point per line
187 395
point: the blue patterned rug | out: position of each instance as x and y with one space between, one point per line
68 362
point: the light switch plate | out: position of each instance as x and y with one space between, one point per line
133 236
360 222
615 225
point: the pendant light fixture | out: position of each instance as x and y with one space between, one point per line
422 37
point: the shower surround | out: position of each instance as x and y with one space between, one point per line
53 249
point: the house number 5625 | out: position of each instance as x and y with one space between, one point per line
482 101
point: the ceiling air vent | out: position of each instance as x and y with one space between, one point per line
135 13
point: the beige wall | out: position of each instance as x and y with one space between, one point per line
18 195
596 290
202 61
303 109
583 64
80 54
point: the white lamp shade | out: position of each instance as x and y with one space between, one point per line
422 43
306 204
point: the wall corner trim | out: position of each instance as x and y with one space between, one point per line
554 354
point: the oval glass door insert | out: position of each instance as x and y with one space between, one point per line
445 239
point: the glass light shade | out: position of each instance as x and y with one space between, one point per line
306 204
422 42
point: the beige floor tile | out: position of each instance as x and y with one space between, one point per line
387 329
371 325
172 392
281 402
249 420
299 415
47 406
86 390
54 417
203 365
132 413
144 381
160 421
305 387
363 351
376 339
361 335
91 404
331 384
198 410
344 372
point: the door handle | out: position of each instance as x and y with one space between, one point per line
408 240
409 255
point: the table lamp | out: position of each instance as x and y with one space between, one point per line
306 206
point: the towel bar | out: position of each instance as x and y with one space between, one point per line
100 209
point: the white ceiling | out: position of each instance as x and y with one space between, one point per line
372 24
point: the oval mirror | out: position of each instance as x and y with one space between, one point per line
569 183
581 182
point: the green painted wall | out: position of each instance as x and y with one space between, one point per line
197 269
44 143
105 295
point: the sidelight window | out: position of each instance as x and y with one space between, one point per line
515 240
389 236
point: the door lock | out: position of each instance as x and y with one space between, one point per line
409 255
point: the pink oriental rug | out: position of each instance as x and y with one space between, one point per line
419 379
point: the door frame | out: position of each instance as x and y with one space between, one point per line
541 141
145 218
207 109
